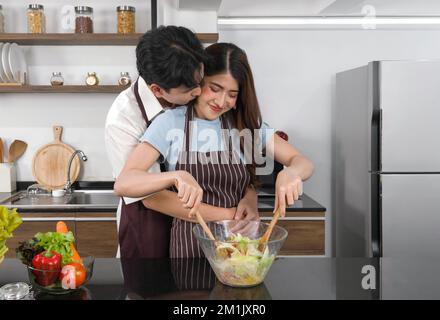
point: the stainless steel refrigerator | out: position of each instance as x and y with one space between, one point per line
386 160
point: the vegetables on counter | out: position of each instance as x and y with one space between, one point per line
58 242
50 262
62 228
50 241
9 221
27 250
54 255
73 275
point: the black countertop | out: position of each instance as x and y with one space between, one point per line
289 278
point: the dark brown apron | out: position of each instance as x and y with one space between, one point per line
223 182
143 233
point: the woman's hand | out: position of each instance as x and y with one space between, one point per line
189 191
247 208
288 188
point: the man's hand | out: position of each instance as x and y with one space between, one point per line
247 207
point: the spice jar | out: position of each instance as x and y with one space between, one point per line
92 79
83 19
125 79
56 79
126 19
36 19
2 20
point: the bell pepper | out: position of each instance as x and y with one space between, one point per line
50 261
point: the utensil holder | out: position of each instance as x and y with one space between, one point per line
8 177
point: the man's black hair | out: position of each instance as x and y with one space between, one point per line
169 56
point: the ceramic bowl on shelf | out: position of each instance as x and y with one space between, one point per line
56 282
235 255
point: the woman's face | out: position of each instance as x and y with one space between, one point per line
219 95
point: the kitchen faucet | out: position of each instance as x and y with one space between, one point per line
68 186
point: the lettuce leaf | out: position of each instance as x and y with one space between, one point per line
9 221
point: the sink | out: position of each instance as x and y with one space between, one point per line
77 199
88 198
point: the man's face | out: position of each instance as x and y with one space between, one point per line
182 94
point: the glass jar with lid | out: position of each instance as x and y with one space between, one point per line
126 19
2 20
83 19
125 79
36 19
92 79
56 79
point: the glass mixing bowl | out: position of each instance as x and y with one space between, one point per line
239 262
48 281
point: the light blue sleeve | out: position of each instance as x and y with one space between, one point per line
156 134
265 133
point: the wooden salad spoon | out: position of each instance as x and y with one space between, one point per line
266 236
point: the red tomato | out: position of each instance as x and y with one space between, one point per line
73 275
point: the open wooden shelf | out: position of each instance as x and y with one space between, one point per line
85 39
62 89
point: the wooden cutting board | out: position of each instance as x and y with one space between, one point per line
50 163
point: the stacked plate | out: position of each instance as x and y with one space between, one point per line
13 66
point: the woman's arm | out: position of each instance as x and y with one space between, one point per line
298 168
135 180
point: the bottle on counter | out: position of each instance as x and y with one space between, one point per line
2 20
125 79
36 19
126 19
83 19
56 79
92 79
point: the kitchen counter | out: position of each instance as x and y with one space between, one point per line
289 278
105 200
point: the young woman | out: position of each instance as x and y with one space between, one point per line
198 160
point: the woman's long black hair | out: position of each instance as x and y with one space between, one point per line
228 58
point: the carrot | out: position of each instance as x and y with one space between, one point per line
62 228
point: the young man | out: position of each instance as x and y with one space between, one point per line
170 63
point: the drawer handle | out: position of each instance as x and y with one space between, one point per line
49 219
97 219
295 219
69 219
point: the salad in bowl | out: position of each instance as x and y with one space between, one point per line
236 255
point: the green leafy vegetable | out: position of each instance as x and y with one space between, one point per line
9 221
58 242
27 250
240 262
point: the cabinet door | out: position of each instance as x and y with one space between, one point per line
34 223
96 234
306 232
305 238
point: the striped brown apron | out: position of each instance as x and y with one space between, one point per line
143 233
192 274
223 184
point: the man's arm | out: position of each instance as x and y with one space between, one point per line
168 203
119 143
